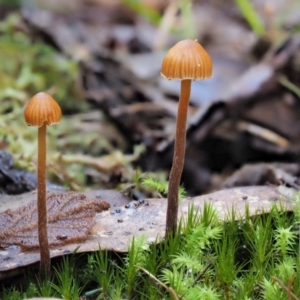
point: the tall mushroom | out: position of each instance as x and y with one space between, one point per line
42 110
186 61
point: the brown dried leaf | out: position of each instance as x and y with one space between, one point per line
114 229
70 219
262 173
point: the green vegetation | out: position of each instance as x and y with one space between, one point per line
185 30
285 82
252 17
188 29
160 186
29 66
206 259
143 10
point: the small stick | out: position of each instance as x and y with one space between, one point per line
169 289
290 293
201 274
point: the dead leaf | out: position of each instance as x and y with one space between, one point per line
262 173
114 229
70 219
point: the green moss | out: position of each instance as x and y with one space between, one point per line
206 259
29 66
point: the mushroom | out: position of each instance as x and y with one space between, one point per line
42 110
186 61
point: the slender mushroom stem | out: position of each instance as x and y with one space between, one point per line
178 160
42 208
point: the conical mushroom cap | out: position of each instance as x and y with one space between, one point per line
42 108
187 60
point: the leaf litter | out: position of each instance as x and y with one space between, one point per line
146 113
247 106
113 229
70 219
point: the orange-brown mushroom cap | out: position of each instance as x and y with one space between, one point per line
42 108
187 60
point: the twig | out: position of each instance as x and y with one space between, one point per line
291 279
263 133
199 276
284 81
128 188
169 289
290 293
201 273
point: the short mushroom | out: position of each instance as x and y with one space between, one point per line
42 110
186 61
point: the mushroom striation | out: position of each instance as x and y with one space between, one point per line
186 61
42 110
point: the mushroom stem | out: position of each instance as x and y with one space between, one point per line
42 208
178 159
